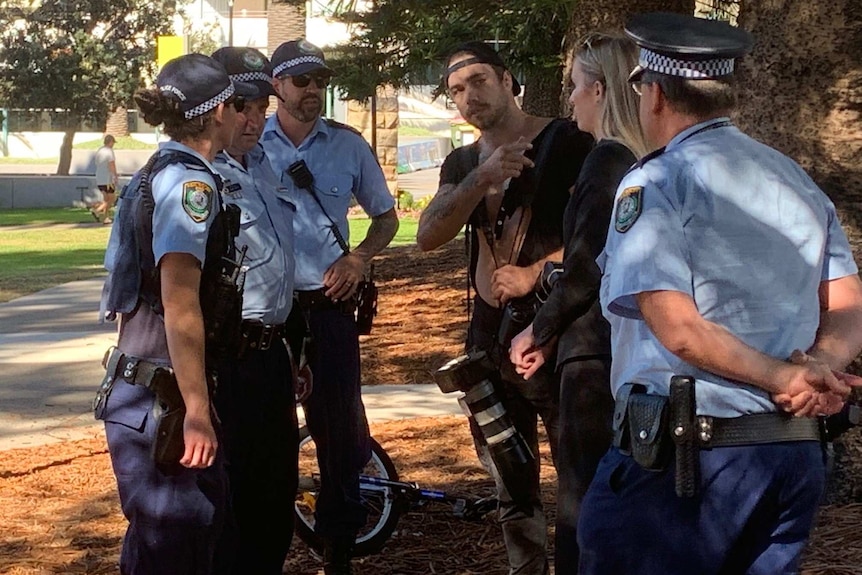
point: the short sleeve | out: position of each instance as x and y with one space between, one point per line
371 192
645 250
186 202
838 259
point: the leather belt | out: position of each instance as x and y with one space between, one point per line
317 300
132 369
755 429
259 336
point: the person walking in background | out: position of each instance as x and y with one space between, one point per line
323 164
255 397
106 180
166 278
569 325
733 300
511 188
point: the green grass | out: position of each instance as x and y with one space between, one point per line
37 253
415 131
6 160
123 143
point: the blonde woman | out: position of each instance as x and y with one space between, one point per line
571 321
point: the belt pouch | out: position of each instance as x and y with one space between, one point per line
648 429
683 430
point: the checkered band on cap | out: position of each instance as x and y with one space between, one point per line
251 77
697 69
296 62
210 104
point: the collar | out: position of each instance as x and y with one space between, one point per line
174 145
688 132
272 129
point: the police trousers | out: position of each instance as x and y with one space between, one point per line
752 515
336 420
256 403
174 520
523 523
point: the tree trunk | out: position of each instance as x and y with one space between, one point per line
610 16
286 22
66 152
541 87
801 92
118 122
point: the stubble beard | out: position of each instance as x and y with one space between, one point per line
304 113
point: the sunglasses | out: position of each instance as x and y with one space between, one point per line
238 103
303 80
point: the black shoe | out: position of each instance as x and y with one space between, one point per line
336 557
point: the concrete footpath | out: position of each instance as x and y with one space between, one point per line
51 346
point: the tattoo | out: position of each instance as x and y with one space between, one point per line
380 233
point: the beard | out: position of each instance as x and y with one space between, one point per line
307 109
485 116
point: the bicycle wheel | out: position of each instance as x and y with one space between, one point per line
382 503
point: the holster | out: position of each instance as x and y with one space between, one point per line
641 427
683 423
169 412
366 306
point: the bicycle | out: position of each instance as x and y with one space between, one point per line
385 497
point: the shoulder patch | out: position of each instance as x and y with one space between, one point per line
198 200
629 206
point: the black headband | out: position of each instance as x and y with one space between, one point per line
476 59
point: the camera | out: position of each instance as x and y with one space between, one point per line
471 374
518 313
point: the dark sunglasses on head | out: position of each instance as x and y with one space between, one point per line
303 80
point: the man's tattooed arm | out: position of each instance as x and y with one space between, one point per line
448 211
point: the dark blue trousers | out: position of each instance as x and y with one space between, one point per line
753 515
174 521
256 404
336 420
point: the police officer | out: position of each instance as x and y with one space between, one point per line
301 146
160 255
255 396
727 264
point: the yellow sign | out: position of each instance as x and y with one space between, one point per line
168 48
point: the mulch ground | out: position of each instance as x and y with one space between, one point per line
60 512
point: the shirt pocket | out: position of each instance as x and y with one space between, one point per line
335 192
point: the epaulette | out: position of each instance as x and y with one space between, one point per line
640 164
333 124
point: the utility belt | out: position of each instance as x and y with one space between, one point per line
317 300
259 336
168 409
655 428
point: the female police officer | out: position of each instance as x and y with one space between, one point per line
160 249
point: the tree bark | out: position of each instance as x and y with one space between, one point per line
610 16
66 152
118 122
801 92
541 87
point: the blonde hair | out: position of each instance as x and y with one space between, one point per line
609 59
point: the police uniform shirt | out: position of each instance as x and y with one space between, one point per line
343 165
739 227
186 202
266 227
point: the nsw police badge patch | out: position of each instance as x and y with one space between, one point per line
197 200
629 206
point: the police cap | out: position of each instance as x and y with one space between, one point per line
200 84
297 57
685 46
247 65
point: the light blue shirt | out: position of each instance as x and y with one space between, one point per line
746 233
177 189
343 165
266 228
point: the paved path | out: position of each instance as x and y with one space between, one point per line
51 345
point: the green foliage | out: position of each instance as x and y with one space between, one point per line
86 56
400 42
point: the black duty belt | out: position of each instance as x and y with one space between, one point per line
133 369
755 429
317 300
260 336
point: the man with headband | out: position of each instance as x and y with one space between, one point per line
725 264
511 189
